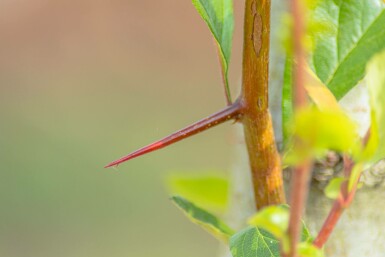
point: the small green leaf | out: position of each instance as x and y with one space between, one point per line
218 15
274 219
268 234
333 189
376 85
203 218
257 242
254 242
317 131
308 250
208 191
306 236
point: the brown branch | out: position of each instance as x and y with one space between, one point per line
230 112
259 135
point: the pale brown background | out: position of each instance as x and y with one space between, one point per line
84 82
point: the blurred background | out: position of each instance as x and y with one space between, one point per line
83 83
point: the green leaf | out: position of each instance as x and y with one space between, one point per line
306 236
257 242
308 250
339 58
274 219
268 234
376 86
203 218
254 242
208 191
333 189
317 131
218 15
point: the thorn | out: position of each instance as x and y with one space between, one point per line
230 112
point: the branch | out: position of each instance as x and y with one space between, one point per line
259 135
229 113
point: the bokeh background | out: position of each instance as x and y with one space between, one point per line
84 82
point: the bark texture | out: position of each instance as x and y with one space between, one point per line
258 128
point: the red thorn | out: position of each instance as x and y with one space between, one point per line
230 112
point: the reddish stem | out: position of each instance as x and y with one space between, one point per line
348 165
298 197
329 224
230 112
342 202
301 173
299 75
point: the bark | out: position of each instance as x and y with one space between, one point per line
258 128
